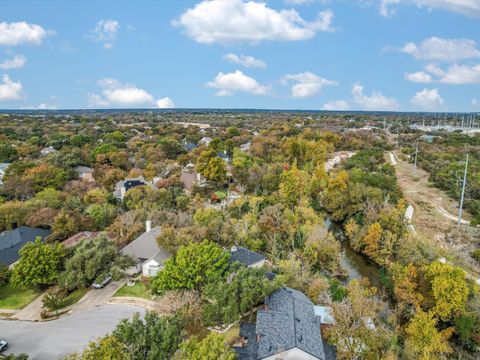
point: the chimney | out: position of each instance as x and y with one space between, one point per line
148 225
233 249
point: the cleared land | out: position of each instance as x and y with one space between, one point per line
435 215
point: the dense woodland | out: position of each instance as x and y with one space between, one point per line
285 198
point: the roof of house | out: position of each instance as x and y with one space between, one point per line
288 322
189 146
12 241
325 313
245 256
131 183
160 257
222 155
83 169
144 247
84 235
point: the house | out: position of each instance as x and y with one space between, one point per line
123 186
47 151
191 178
12 241
247 257
3 169
224 156
149 258
205 141
84 173
83 235
189 146
287 329
245 147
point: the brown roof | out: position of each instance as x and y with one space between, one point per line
75 239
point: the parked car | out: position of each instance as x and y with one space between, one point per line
3 345
99 285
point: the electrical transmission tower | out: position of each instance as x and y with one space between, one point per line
463 192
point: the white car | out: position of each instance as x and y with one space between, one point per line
3 345
102 284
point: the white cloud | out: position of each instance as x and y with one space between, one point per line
438 49
246 61
165 103
454 74
428 99
465 7
106 32
14 63
230 83
41 106
474 102
117 94
376 101
10 90
306 84
419 77
234 21
340 105
21 33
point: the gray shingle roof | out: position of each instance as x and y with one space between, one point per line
288 322
13 240
144 247
245 256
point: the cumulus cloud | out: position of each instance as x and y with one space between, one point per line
235 21
10 90
246 61
306 84
233 82
14 63
376 101
105 32
117 94
21 33
419 77
454 74
340 105
464 7
165 103
438 49
428 99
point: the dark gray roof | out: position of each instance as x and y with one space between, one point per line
13 240
144 247
289 321
245 256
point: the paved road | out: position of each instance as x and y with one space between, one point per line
53 340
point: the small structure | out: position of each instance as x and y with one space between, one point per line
288 328
224 156
245 147
189 146
325 314
247 257
123 186
144 250
84 173
47 151
12 241
84 235
205 141
3 169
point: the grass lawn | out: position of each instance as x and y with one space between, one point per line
232 334
14 299
137 290
74 297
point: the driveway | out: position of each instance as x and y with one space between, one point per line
55 339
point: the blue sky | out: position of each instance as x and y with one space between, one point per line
293 54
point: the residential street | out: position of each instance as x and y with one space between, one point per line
54 339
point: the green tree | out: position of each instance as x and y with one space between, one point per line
106 348
92 261
8 153
39 264
192 267
152 337
212 347
228 301
211 166
424 341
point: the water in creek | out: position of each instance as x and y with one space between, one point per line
356 265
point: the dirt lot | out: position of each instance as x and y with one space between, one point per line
435 215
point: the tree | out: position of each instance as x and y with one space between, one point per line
293 186
448 289
106 348
39 264
212 347
372 240
192 267
102 214
8 153
211 166
228 301
92 261
424 341
322 251
152 337
53 300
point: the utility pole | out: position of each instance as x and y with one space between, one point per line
416 156
463 192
